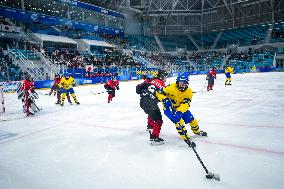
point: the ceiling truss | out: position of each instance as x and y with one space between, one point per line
190 16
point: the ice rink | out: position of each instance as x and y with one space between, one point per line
97 145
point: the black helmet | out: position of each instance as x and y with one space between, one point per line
162 74
28 77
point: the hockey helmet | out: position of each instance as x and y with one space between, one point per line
182 81
113 78
162 74
66 75
28 77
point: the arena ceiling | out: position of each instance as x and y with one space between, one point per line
170 17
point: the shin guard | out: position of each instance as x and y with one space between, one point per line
157 128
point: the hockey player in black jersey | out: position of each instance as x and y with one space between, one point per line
149 103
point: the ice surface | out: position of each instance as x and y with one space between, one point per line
97 145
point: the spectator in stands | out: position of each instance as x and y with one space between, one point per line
47 76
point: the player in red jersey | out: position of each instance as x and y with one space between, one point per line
29 96
211 76
111 86
27 87
149 103
55 88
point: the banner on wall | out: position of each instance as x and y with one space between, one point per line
89 68
9 87
81 81
91 7
24 16
7 28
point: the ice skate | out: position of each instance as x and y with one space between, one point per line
157 141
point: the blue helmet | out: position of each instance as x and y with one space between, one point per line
66 74
183 77
182 81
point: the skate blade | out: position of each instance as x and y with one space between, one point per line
157 143
149 130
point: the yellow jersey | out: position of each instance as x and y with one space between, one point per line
180 100
66 83
229 69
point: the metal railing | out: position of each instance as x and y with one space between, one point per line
31 67
54 69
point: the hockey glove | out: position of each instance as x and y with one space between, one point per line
117 87
167 103
176 117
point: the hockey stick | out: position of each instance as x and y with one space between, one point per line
201 90
98 93
209 174
41 93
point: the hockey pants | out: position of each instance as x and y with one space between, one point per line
155 121
64 92
187 118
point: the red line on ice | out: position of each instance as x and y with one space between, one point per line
244 147
248 126
138 131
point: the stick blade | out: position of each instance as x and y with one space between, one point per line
217 177
213 176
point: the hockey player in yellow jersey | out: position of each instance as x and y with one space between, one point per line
176 99
66 85
228 71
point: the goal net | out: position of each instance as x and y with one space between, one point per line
11 107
